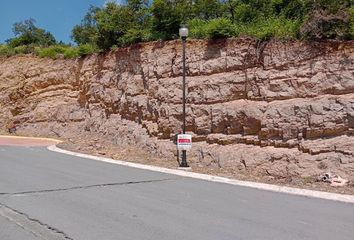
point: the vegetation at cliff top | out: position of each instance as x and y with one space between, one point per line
116 25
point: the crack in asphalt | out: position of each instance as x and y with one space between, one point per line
41 229
31 225
83 187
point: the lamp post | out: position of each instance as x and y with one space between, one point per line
183 32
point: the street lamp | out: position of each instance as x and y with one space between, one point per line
183 32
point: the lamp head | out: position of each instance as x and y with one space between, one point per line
183 32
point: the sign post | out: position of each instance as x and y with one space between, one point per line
184 142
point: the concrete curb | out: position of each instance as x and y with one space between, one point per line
261 186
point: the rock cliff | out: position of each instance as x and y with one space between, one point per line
279 109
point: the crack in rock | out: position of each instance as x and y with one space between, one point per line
82 187
34 226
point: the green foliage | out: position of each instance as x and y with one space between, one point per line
86 49
290 9
245 13
322 24
23 49
332 6
27 33
207 9
6 51
113 24
119 25
87 31
220 28
59 51
53 52
167 18
351 22
213 29
135 36
197 28
279 28
71 52
264 19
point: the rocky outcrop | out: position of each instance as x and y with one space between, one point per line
283 109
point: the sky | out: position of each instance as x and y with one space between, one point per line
56 16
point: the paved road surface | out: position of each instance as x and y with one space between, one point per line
47 195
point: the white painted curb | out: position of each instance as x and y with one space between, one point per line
262 186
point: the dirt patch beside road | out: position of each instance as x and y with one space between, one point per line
26 141
90 145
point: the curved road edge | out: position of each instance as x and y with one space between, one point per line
211 178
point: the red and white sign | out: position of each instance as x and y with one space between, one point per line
184 141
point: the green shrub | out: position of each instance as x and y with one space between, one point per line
135 36
220 28
327 24
23 49
215 28
6 51
197 28
245 13
86 49
53 52
58 51
351 23
20 49
71 52
279 28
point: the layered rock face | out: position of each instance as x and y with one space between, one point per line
284 109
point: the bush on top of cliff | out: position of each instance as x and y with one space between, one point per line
213 29
119 25
65 51
116 25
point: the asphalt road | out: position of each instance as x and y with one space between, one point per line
47 195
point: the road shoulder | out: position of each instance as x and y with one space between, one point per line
261 186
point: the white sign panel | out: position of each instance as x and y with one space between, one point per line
184 141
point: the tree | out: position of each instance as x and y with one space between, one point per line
331 6
207 9
113 25
26 33
86 32
327 19
230 6
168 15
116 25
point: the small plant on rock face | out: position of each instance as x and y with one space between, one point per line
322 165
308 180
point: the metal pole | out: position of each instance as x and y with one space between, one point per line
184 152
184 85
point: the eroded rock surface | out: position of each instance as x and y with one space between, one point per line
280 109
